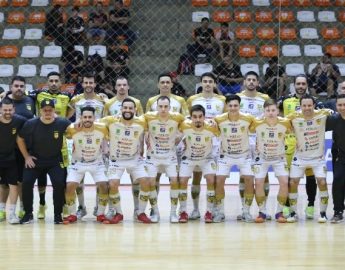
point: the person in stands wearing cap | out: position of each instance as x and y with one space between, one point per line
40 142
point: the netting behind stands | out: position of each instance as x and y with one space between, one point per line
297 32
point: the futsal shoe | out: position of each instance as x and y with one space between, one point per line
117 218
194 215
183 217
2 215
27 218
13 219
70 219
309 212
218 218
292 218
322 218
143 218
173 218
337 218
208 217
58 219
41 214
280 217
261 218
102 219
154 215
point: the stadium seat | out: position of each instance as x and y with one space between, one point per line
80 48
52 51
19 3
47 68
261 3
341 69
282 3
11 33
247 51
198 15
6 87
285 16
15 17
4 3
100 49
105 3
330 33
126 3
33 33
249 67
308 33
291 50
42 86
80 3
30 52
221 16
311 67
335 50
68 87
243 16
288 33
220 3
6 70
294 69
27 70
29 87
244 33
292 89
269 50
263 16
313 50
9 51
341 16
2 17
62 3
265 33
39 3
302 3
326 16
240 3
200 69
264 69
305 16
37 17
340 3
322 3
199 3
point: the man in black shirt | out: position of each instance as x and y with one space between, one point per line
10 125
33 141
75 28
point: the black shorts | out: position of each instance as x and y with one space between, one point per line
20 165
9 173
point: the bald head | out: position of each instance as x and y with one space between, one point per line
341 88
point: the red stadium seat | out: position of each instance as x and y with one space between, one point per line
244 33
62 3
288 33
221 16
265 33
15 17
322 3
285 16
247 51
335 50
243 16
20 3
199 3
9 51
330 33
37 17
220 3
302 3
240 3
3 3
263 16
282 3
269 50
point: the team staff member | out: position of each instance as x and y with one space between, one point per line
10 125
33 139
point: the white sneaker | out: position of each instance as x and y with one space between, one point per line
135 214
247 217
81 212
292 218
95 210
111 213
322 218
240 217
13 219
195 214
268 217
154 216
219 217
173 218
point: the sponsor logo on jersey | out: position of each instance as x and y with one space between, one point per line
14 131
56 134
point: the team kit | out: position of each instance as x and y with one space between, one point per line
205 136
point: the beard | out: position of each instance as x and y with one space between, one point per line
128 115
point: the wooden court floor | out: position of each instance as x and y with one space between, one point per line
229 245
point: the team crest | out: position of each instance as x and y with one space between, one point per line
56 134
207 139
213 166
318 121
280 135
300 124
136 134
171 129
98 141
14 131
262 134
28 106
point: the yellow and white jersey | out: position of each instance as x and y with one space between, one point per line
162 134
80 101
270 140
113 106
198 142
214 105
310 134
177 104
253 105
234 134
87 145
124 140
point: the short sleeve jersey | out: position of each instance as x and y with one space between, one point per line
61 101
253 105
80 101
177 104
113 106
214 105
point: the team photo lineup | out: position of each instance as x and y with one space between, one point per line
51 133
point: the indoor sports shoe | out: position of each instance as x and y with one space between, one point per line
81 212
261 218
268 217
117 218
280 217
292 218
240 217
183 217
309 212
41 214
2 215
21 213
195 214
101 218
71 219
95 210
13 219
58 219
247 217
322 218
173 218
208 217
27 218
154 215
286 211
143 218
218 218
111 213
337 218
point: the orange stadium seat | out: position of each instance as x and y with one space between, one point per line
199 3
269 50
302 3
20 3
265 33
105 3
335 50
263 16
244 33
126 3
240 3
243 16
282 3
15 17
216 31
340 3
220 3
37 17
62 3
80 3
42 86
322 3
9 51
288 33
221 16
285 16
341 16
68 87
330 33
3 3
247 51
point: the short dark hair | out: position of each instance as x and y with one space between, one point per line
328 55
121 78
88 75
163 98
18 78
87 109
165 74
253 73
54 73
75 8
300 76
128 100
6 101
197 108
340 96
208 74
232 97
270 102
307 96
205 19
224 24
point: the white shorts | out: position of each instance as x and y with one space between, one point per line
206 166
168 165
298 167
225 163
77 170
135 167
261 167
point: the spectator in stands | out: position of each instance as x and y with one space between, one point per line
119 54
115 68
74 61
204 41
177 88
97 24
225 39
54 26
324 77
119 19
94 65
229 76
275 79
330 103
75 28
